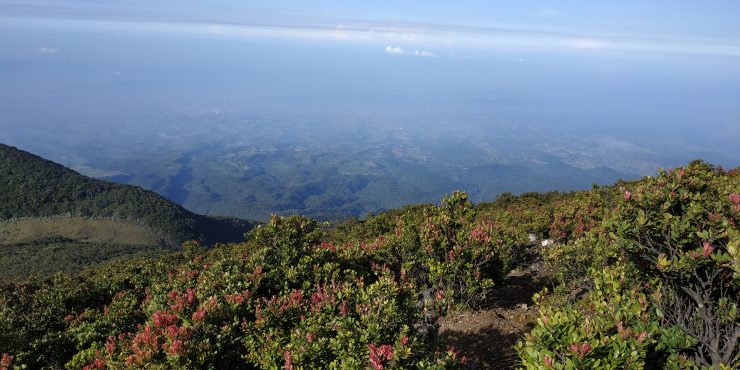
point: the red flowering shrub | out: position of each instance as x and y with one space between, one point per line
459 256
239 306
5 361
681 229
665 296
574 217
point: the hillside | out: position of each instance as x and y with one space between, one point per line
641 274
41 202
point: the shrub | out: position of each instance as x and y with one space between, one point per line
681 228
615 327
673 240
282 299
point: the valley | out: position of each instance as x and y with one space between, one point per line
335 167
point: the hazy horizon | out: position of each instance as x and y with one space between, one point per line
483 95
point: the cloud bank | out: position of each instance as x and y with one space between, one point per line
47 50
253 24
417 53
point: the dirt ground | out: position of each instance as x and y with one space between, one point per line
487 336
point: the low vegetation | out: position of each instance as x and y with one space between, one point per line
645 276
656 278
42 258
83 229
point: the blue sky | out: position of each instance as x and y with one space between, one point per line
433 27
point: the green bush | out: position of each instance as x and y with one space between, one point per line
614 327
681 229
673 239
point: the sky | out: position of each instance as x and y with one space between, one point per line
681 27
670 67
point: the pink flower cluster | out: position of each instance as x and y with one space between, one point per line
288 361
379 354
481 235
164 319
238 298
324 294
549 362
5 361
164 334
735 199
705 251
144 346
329 246
581 349
98 364
179 301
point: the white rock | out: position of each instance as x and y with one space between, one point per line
547 242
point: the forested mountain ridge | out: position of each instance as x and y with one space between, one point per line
32 187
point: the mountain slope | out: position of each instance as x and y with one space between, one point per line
373 293
32 187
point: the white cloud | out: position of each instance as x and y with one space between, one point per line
417 53
47 50
514 37
396 50
422 53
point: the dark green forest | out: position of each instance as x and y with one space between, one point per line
31 186
39 197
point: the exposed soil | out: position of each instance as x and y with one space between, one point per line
487 336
